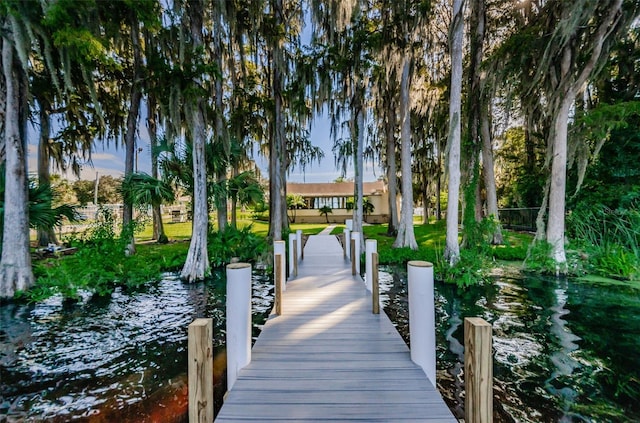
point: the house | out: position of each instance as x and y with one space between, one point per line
338 196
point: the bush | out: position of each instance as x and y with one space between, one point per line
99 265
240 243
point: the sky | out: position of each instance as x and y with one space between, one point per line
110 161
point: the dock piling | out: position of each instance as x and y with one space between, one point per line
375 289
200 370
355 236
478 371
371 247
279 253
422 322
238 319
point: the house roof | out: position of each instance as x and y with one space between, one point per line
334 189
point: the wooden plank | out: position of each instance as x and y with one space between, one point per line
329 358
278 287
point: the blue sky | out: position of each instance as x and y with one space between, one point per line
110 161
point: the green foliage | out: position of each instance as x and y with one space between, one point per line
98 266
143 190
241 243
471 269
610 239
539 258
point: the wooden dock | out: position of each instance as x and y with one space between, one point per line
328 358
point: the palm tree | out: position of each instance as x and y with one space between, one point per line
324 211
140 189
245 189
294 202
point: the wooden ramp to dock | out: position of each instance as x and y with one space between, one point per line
328 358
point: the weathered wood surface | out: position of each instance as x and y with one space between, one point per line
478 371
328 358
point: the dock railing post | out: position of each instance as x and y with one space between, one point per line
279 249
277 267
347 243
375 288
371 247
422 322
238 319
355 253
292 255
349 224
478 371
299 240
200 370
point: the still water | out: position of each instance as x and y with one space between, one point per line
564 350
122 358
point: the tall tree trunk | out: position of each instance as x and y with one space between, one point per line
158 226
358 137
392 171
489 175
196 265
220 135
406 236
132 126
277 195
439 186
3 108
452 248
15 262
45 236
555 226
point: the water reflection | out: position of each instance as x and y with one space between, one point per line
563 350
121 358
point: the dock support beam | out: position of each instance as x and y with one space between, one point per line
371 247
200 370
279 249
238 319
422 321
478 371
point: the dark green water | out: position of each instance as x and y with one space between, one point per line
563 350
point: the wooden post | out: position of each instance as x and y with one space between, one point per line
279 249
422 320
292 257
347 243
278 272
200 368
353 259
371 247
375 288
295 259
478 371
300 247
238 319
356 251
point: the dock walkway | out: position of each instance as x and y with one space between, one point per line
328 358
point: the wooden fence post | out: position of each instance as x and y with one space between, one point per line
478 371
238 319
200 370
278 272
375 288
295 259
